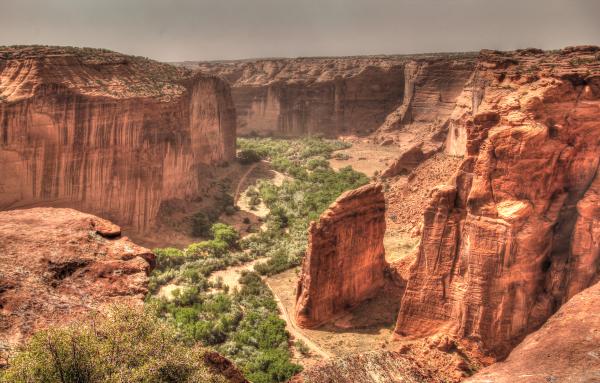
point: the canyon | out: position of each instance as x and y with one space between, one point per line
106 133
490 194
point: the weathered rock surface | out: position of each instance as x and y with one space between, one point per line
106 133
566 348
58 264
344 95
345 261
512 238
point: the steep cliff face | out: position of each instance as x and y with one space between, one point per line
345 261
512 238
58 264
565 349
340 96
107 133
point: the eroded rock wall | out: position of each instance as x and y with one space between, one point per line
345 261
107 133
511 239
341 96
565 349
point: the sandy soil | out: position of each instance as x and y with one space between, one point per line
367 157
252 215
365 328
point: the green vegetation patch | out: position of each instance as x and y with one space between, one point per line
127 345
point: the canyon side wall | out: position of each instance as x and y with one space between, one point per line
512 238
565 349
107 133
341 96
345 261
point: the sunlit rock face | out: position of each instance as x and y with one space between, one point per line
512 238
345 261
564 349
343 95
106 133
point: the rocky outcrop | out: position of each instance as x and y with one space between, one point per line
341 96
565 349
512 238
59 264
106 133
345 261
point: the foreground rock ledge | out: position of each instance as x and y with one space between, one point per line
58 264
345 261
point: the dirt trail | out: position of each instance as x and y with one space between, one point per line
242 180
294 330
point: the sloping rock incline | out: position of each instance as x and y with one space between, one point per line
345 261
57 264
514 236
106 133
566 349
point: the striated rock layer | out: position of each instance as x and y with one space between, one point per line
343 95
106 133
58 264
514 236
565 349
345 261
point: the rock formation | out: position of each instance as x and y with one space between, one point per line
512 238
345 261
565 349
58 264
340 96
107 133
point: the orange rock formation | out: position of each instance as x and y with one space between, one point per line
106 133
345 261
565 349
512 239
58 264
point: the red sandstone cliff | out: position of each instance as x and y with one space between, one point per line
565 349
58 264
107 133
345 260
344 95
512 239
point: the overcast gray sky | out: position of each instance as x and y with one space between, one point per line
175 30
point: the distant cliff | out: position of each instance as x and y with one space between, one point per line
107 133
342 95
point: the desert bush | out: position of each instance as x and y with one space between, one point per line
248 156
127 345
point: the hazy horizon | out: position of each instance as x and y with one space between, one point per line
185 30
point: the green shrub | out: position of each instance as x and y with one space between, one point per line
200 225
225 233
128 345
248 156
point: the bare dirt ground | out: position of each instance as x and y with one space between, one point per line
249 219
365 328
367 157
